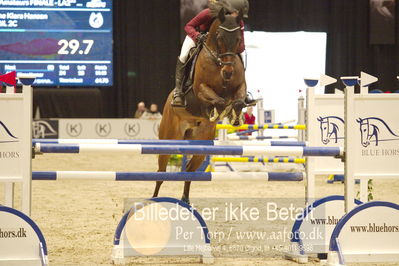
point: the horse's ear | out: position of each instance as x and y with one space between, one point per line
240 16
319 119
359 120
221 15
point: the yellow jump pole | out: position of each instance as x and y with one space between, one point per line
256 127
258 160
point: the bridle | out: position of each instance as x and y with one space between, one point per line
217 58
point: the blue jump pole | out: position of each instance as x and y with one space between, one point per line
296 151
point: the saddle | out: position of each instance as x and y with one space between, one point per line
189 68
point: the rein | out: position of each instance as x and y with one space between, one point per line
217 58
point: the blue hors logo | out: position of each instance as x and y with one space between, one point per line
331 129
5 134
43 129
374 129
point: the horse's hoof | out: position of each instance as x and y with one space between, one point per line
185 200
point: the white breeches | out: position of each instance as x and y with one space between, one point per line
185 49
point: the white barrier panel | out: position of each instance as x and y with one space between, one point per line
368 233
21 241
372 144
161 227
313 228
16 142
325 128
107 128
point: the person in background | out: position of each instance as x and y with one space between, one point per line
153 113
140 110
249 118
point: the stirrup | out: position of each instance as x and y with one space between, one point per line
250 102
180 103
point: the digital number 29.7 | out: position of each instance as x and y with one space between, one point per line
72 46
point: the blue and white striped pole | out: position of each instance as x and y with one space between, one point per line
137 149
170 142
165 176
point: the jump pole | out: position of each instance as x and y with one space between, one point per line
258 160
301 118
137 149
257 127
170 142
165 176
236 137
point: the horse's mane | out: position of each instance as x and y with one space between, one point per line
382 121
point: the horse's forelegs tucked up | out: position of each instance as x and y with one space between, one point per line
192 165
208 96
238 105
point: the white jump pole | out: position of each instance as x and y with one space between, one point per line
365 81
350 83
9 188
301 118
261 115
311 164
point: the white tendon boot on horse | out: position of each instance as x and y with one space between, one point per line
234 118
214 115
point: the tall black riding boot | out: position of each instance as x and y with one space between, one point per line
178 95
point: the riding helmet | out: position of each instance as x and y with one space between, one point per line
240 5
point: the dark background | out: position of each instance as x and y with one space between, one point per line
147 42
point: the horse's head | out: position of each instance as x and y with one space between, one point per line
324 129
228 39
364 131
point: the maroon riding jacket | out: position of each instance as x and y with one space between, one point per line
203 22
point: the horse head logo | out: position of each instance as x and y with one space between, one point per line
330 128
41 129
370 130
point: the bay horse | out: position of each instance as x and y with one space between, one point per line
219 90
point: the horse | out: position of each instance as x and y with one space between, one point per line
219 90
329 128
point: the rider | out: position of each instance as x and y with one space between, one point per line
196 30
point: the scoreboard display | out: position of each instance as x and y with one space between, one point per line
62 42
